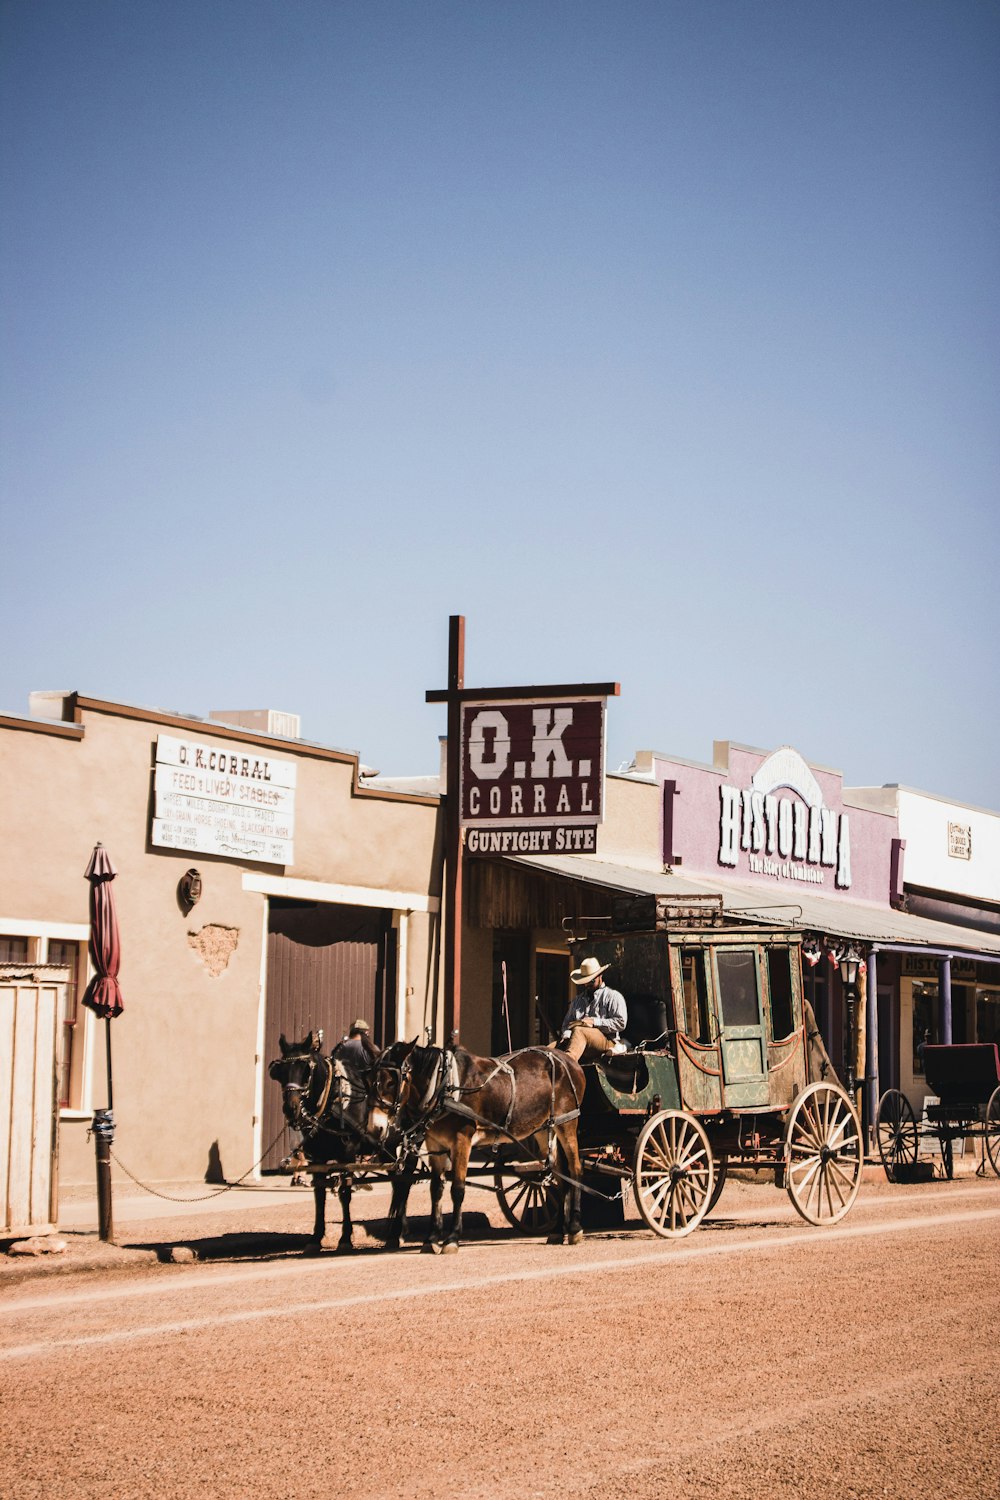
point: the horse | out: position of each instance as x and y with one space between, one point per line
451 1100
328 1099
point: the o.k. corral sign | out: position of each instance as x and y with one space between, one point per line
236 801
532 775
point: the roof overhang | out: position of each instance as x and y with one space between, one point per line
879 927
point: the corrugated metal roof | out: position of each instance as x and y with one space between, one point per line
792 906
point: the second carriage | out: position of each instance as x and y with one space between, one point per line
723 1067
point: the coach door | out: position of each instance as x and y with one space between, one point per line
326 965
742 1034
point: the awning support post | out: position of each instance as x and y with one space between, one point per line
871 1046
944 1001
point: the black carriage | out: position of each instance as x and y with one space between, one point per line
722 1068
964 1079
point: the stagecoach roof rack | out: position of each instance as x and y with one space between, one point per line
648 913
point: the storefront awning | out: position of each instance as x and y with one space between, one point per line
791 906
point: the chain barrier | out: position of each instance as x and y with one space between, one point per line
201 1197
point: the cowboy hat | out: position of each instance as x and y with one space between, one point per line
360 1025
588 970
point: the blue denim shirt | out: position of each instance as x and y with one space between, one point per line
604 1008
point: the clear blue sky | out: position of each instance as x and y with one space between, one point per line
660 340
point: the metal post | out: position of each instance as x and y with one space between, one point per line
944 1001
103 1130
453 834
871 1042
850 1002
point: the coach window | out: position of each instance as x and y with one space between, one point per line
693 962
738 988
779 974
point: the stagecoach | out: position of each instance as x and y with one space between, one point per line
722 1067
964 1085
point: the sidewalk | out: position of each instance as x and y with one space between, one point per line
192 1221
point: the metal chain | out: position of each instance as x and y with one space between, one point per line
202 1197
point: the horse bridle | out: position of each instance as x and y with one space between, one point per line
306 1116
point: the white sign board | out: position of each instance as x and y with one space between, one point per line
236 801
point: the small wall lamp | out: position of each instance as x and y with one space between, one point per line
189 889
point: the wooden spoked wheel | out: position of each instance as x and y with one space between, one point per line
823 1154
896 1133
721 1172
674 1173
528 1197
993 1131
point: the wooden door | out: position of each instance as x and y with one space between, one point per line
742 1035
31 1003
326 965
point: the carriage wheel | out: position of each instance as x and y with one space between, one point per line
674 1175
529 1198
896 1133
823 1154
721 1172
947 1156
993 1131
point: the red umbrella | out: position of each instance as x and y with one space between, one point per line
104 997
104 994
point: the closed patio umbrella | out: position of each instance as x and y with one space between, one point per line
104 998
103 994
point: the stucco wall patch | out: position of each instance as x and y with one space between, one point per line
215 946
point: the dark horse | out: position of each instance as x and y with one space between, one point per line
329 1099
450 1100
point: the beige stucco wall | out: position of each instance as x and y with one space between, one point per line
187 1073
632 827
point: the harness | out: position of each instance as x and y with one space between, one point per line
328 1115
443 1091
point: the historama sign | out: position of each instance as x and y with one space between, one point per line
532 775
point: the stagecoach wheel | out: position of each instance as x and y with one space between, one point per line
823 1154
529 1198
993 1131
947 1156
721 1171
674 1173
896 1133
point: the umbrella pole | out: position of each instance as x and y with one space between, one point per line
107 1039
104 1133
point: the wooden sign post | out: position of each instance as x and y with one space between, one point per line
526 771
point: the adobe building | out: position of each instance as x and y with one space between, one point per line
263 885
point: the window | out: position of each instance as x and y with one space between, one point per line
988 1015
695 994
67 954
779 975
37 949
738 988
925 1021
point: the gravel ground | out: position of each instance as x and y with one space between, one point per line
760 1358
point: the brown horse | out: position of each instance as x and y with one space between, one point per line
451 1100
329 1099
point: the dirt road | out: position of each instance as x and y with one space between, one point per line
759 1358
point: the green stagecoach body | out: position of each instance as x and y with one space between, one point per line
715 1018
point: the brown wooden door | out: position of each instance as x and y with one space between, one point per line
326 965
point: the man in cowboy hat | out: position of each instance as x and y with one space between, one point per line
358 1047
596 1016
